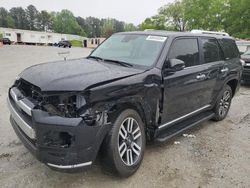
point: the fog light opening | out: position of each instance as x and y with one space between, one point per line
58 139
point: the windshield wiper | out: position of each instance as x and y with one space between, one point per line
95 57
125 64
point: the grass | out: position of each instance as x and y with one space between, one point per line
76 43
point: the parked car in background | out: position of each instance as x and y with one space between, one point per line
5 41
64 44
134 87
246 71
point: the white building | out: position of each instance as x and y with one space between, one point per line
36 37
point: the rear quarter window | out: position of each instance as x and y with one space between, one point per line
229 48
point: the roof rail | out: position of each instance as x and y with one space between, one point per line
210 32
149 30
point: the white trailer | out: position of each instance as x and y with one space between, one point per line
36 37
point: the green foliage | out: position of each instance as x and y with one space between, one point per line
3 17
129 27
238 18
173 14
76 43
65 22
10 22
45 21
232 16
155 22
61 22
108 27
32 17
19 16
1 35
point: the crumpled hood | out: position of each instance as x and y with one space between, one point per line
74 75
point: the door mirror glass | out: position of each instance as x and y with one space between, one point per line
176 64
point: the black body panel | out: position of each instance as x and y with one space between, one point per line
167 100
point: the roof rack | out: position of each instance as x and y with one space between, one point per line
210 32
149 30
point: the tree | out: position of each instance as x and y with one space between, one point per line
3 17
107 27
173 14
19 17
118 26
208 15
155 22
232 16
65 22
86 26
95 26
45 21
237 22
129 27
32 17
10 22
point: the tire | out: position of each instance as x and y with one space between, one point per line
223 104
131 141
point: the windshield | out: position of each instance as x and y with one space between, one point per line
131 48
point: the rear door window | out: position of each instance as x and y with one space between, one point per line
211 50
187 50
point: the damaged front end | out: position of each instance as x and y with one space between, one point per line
61 129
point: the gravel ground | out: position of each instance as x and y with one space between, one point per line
218 155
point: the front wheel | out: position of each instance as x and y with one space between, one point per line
223 104
125 144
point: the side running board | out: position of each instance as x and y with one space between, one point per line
167 134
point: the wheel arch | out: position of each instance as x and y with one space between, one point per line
233 83
119 107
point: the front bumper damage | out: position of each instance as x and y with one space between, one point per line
62 143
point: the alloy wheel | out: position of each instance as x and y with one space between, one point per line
129 141
224 103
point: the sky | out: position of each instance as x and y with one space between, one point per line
131 11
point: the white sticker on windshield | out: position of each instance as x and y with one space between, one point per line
156 38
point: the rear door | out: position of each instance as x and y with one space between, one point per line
213 62
188 91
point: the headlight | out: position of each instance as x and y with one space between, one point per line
64 105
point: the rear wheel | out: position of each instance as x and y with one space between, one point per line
125 144
223 104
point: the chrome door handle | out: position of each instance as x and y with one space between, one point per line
224 70
201 77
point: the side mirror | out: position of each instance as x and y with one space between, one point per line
176 64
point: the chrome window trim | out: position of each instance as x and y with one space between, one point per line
29 131
182 117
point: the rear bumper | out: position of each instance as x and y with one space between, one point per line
62 143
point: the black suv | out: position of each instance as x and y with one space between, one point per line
64 44
5 41
134 87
